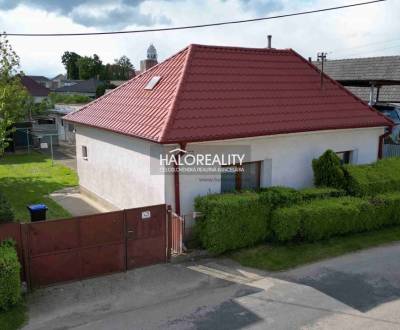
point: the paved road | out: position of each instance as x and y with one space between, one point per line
357 291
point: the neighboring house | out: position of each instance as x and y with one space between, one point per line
36 90
267 101
81 87
42 80
66 131
58 81
385 68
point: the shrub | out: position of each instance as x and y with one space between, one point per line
6 212
231 221
280 196
10 282
324 218
380 177
309 194
328 171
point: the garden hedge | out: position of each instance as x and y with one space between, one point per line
358 180
379 177
236 220
6 212
322 219
231 221
10 282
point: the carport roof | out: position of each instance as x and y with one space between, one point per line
211 93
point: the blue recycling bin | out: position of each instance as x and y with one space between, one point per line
37 212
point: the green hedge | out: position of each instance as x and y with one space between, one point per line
10 282
231 221
380 177
322 219
6 212
236 220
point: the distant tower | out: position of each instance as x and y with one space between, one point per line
151 59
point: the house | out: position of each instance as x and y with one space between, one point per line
42 80
266 103
66 131
370 69
81 87
58 81
36 90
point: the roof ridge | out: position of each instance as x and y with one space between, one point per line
172 109
326 76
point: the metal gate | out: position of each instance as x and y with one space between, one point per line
146 236
82 247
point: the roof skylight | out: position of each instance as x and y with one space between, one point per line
152 83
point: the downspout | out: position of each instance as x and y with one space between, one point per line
182 146
382 140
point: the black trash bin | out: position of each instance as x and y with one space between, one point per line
37 211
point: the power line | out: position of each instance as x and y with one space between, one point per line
192 26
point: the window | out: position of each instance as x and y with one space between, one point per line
62 122
84 152
152 83
345 157
245 177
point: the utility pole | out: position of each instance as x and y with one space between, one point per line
321 56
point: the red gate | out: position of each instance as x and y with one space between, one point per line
77 248
146 236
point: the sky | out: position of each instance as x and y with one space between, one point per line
372 30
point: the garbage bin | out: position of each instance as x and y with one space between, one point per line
37 211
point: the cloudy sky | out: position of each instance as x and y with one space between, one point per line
357 32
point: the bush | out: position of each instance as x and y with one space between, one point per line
380 177
322 219
10 282
231 221
280 196
328 171
6 212
309 194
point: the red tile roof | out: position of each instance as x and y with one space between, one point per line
210 93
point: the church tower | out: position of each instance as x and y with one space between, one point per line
151 59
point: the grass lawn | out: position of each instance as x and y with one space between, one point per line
14 318
28 179
276 257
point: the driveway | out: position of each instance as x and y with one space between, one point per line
360 290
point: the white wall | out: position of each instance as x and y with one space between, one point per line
290 156
118 168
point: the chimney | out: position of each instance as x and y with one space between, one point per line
269 41
310 59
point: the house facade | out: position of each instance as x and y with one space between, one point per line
266 103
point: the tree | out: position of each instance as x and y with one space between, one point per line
125 68
13 96
70 61
89 67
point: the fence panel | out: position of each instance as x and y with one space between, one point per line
391 150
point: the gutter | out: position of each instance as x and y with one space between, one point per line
182 145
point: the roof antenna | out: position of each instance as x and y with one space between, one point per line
321 56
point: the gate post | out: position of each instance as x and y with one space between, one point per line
25 246
169 232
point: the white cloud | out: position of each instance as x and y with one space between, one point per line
340 32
